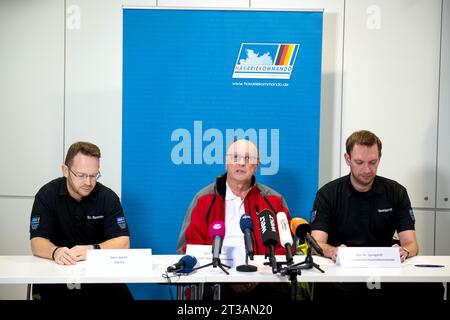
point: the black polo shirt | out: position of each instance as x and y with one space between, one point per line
66 222
362 218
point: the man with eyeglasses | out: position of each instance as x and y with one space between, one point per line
73 214
232 195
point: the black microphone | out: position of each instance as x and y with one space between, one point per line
285 235
217 233
302 230
246 224
269 235
185 265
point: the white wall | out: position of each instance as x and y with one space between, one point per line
61 81
391 81
443 179
442 237
31 115
32 94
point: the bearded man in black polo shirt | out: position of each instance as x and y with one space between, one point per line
365 210
73 214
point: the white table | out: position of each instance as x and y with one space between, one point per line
30 270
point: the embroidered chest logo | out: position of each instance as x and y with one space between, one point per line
94 217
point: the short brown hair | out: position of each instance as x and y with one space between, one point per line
362 137
86 148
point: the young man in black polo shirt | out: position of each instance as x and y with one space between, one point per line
364 210
73 214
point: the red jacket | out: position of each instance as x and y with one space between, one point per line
208 206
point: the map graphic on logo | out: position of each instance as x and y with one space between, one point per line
266 60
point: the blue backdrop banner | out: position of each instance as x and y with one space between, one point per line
196 80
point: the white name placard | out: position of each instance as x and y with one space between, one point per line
368 257
231 256
132 260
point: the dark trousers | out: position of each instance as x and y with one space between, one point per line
88 291
380 291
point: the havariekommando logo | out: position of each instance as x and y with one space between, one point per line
266 60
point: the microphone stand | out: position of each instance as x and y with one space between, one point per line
308 263
246 267
216 263
277 265
292 272
280 264
272 260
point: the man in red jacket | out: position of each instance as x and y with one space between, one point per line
233 194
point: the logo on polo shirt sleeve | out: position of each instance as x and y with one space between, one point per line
121 222
411 214
313 216
35 222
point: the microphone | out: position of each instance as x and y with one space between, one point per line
302 230
217 233
246 224
285 235
185 265
269 235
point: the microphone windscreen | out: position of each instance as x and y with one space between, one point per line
246 222
283 229
189 262
295 222
217 228
300 228
268 227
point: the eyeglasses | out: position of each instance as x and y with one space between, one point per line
84 176
236 158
